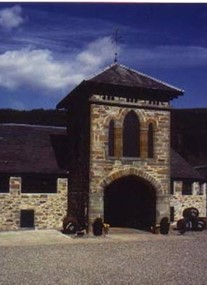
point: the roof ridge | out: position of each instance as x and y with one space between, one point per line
101 71
137 72
200 166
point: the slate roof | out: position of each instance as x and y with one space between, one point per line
41 149
202 170
118 74
122 81
32 149
181 169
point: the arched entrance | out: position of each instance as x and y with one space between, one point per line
130 201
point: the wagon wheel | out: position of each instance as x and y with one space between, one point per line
71 228
201 225
190 213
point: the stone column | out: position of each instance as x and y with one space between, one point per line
143 143
177 187
204 187
96 208
62 186
13 210
62 190
15 185
162 207
196 188
118 142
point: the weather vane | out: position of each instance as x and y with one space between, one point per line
116 38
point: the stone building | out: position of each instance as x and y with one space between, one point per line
33 177
113 160
119 159
189 139
188 188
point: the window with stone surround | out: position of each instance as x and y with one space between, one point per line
187 188
150 141
131 135
36 183
111 139
27 218
4 183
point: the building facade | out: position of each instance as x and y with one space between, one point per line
119 126
33 177
113 160
188 188
32 210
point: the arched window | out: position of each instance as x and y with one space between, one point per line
111 138
131 135
150 141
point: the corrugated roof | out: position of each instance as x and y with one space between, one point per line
32 149
181 169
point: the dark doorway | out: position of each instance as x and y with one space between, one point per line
27 219
130 202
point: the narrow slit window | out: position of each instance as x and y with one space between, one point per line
150 141
111 149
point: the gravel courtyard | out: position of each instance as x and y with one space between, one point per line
118 259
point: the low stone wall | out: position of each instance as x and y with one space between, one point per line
181 202
49 209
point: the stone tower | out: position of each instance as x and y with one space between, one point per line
119 140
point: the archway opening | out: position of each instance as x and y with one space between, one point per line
130 202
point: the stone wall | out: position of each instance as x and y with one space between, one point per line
104 169
181 202
49 209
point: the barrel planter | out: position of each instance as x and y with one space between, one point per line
191 221
164 226
200 225
98 227
182 226
70 225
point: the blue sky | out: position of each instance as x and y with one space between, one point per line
48 48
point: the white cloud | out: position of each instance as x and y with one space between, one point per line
39 68
96 53
11 17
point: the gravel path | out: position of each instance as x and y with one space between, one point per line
154 259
